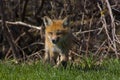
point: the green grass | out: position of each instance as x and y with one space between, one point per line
110 70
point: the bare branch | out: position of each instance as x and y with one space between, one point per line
113 27
7 33
22 24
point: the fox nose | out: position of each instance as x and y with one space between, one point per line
54 41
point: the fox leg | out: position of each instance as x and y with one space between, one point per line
63 60
52 58
47 57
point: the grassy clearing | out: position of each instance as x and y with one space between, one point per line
110 70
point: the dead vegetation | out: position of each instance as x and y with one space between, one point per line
95 24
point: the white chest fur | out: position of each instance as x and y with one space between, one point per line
56 49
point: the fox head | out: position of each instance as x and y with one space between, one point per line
56 30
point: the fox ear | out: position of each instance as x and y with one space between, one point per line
66 22
47 21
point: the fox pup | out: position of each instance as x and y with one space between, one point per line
58 41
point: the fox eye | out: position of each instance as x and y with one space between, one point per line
50 33
59 33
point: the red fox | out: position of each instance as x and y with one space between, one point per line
58 41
